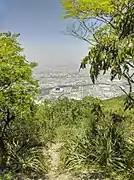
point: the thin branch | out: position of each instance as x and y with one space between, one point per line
106 21
129 82
130 64
78 34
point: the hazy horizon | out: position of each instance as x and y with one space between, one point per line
40 24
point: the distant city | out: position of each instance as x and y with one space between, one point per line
77 84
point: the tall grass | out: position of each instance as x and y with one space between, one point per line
102 146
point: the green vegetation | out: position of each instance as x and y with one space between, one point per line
101 142
20 131
97 136
108 26
106 143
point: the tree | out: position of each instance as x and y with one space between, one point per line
18 91
108 26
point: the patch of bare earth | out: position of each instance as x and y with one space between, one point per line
55 159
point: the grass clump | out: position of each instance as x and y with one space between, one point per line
103 146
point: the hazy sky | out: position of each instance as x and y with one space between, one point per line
40 24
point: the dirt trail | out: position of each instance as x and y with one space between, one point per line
54 174
55 159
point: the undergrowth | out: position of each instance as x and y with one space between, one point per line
103 144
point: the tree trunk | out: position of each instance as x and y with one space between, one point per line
3 153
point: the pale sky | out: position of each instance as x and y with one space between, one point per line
40 24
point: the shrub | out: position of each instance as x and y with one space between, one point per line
101 147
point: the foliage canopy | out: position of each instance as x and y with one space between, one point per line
108 26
